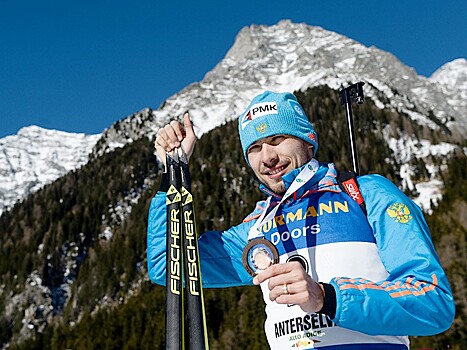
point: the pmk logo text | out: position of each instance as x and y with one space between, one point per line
264 108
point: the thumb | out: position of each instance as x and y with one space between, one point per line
189 141
190 133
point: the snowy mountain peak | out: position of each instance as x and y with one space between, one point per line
36 156
453 75
295 56
284 57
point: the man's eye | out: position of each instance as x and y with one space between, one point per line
254 149
277 139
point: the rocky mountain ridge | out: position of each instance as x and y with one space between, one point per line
283 57
290 57
35 157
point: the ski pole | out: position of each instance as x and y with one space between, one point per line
174 314
352 93
197 330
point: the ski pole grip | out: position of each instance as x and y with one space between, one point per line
352 93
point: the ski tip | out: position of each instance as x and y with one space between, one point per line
183 156
172 157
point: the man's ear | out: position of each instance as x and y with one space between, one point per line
311 150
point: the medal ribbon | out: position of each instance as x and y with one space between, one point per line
302 178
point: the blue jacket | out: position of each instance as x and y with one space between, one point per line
383 267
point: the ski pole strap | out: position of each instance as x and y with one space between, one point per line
348 183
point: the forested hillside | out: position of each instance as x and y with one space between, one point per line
73 273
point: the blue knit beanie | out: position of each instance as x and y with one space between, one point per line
274 114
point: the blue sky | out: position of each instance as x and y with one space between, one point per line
81 65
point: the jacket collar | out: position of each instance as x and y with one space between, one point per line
325 178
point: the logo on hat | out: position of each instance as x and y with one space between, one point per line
262 128
301 117
259 110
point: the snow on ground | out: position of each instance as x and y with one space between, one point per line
405 149
429 193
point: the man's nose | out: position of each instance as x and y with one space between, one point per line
269 155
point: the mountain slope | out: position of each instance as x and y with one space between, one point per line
294 57
286 56
73 273
451 78
291 57
35 157
74 266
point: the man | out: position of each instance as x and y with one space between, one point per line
345 279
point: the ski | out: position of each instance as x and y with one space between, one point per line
183 260
174 315
196 317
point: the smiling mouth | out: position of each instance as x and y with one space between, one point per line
276 170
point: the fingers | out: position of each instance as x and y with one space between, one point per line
166 139
289 284
290 274
165 142
287 290
175 127
282 279
277 270
174 135
310 297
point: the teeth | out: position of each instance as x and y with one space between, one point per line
276 171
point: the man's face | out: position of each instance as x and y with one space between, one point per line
274 156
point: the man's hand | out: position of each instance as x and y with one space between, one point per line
174 135
290 284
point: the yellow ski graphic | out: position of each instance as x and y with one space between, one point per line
177 197
189 197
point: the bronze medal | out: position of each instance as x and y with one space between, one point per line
258 255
